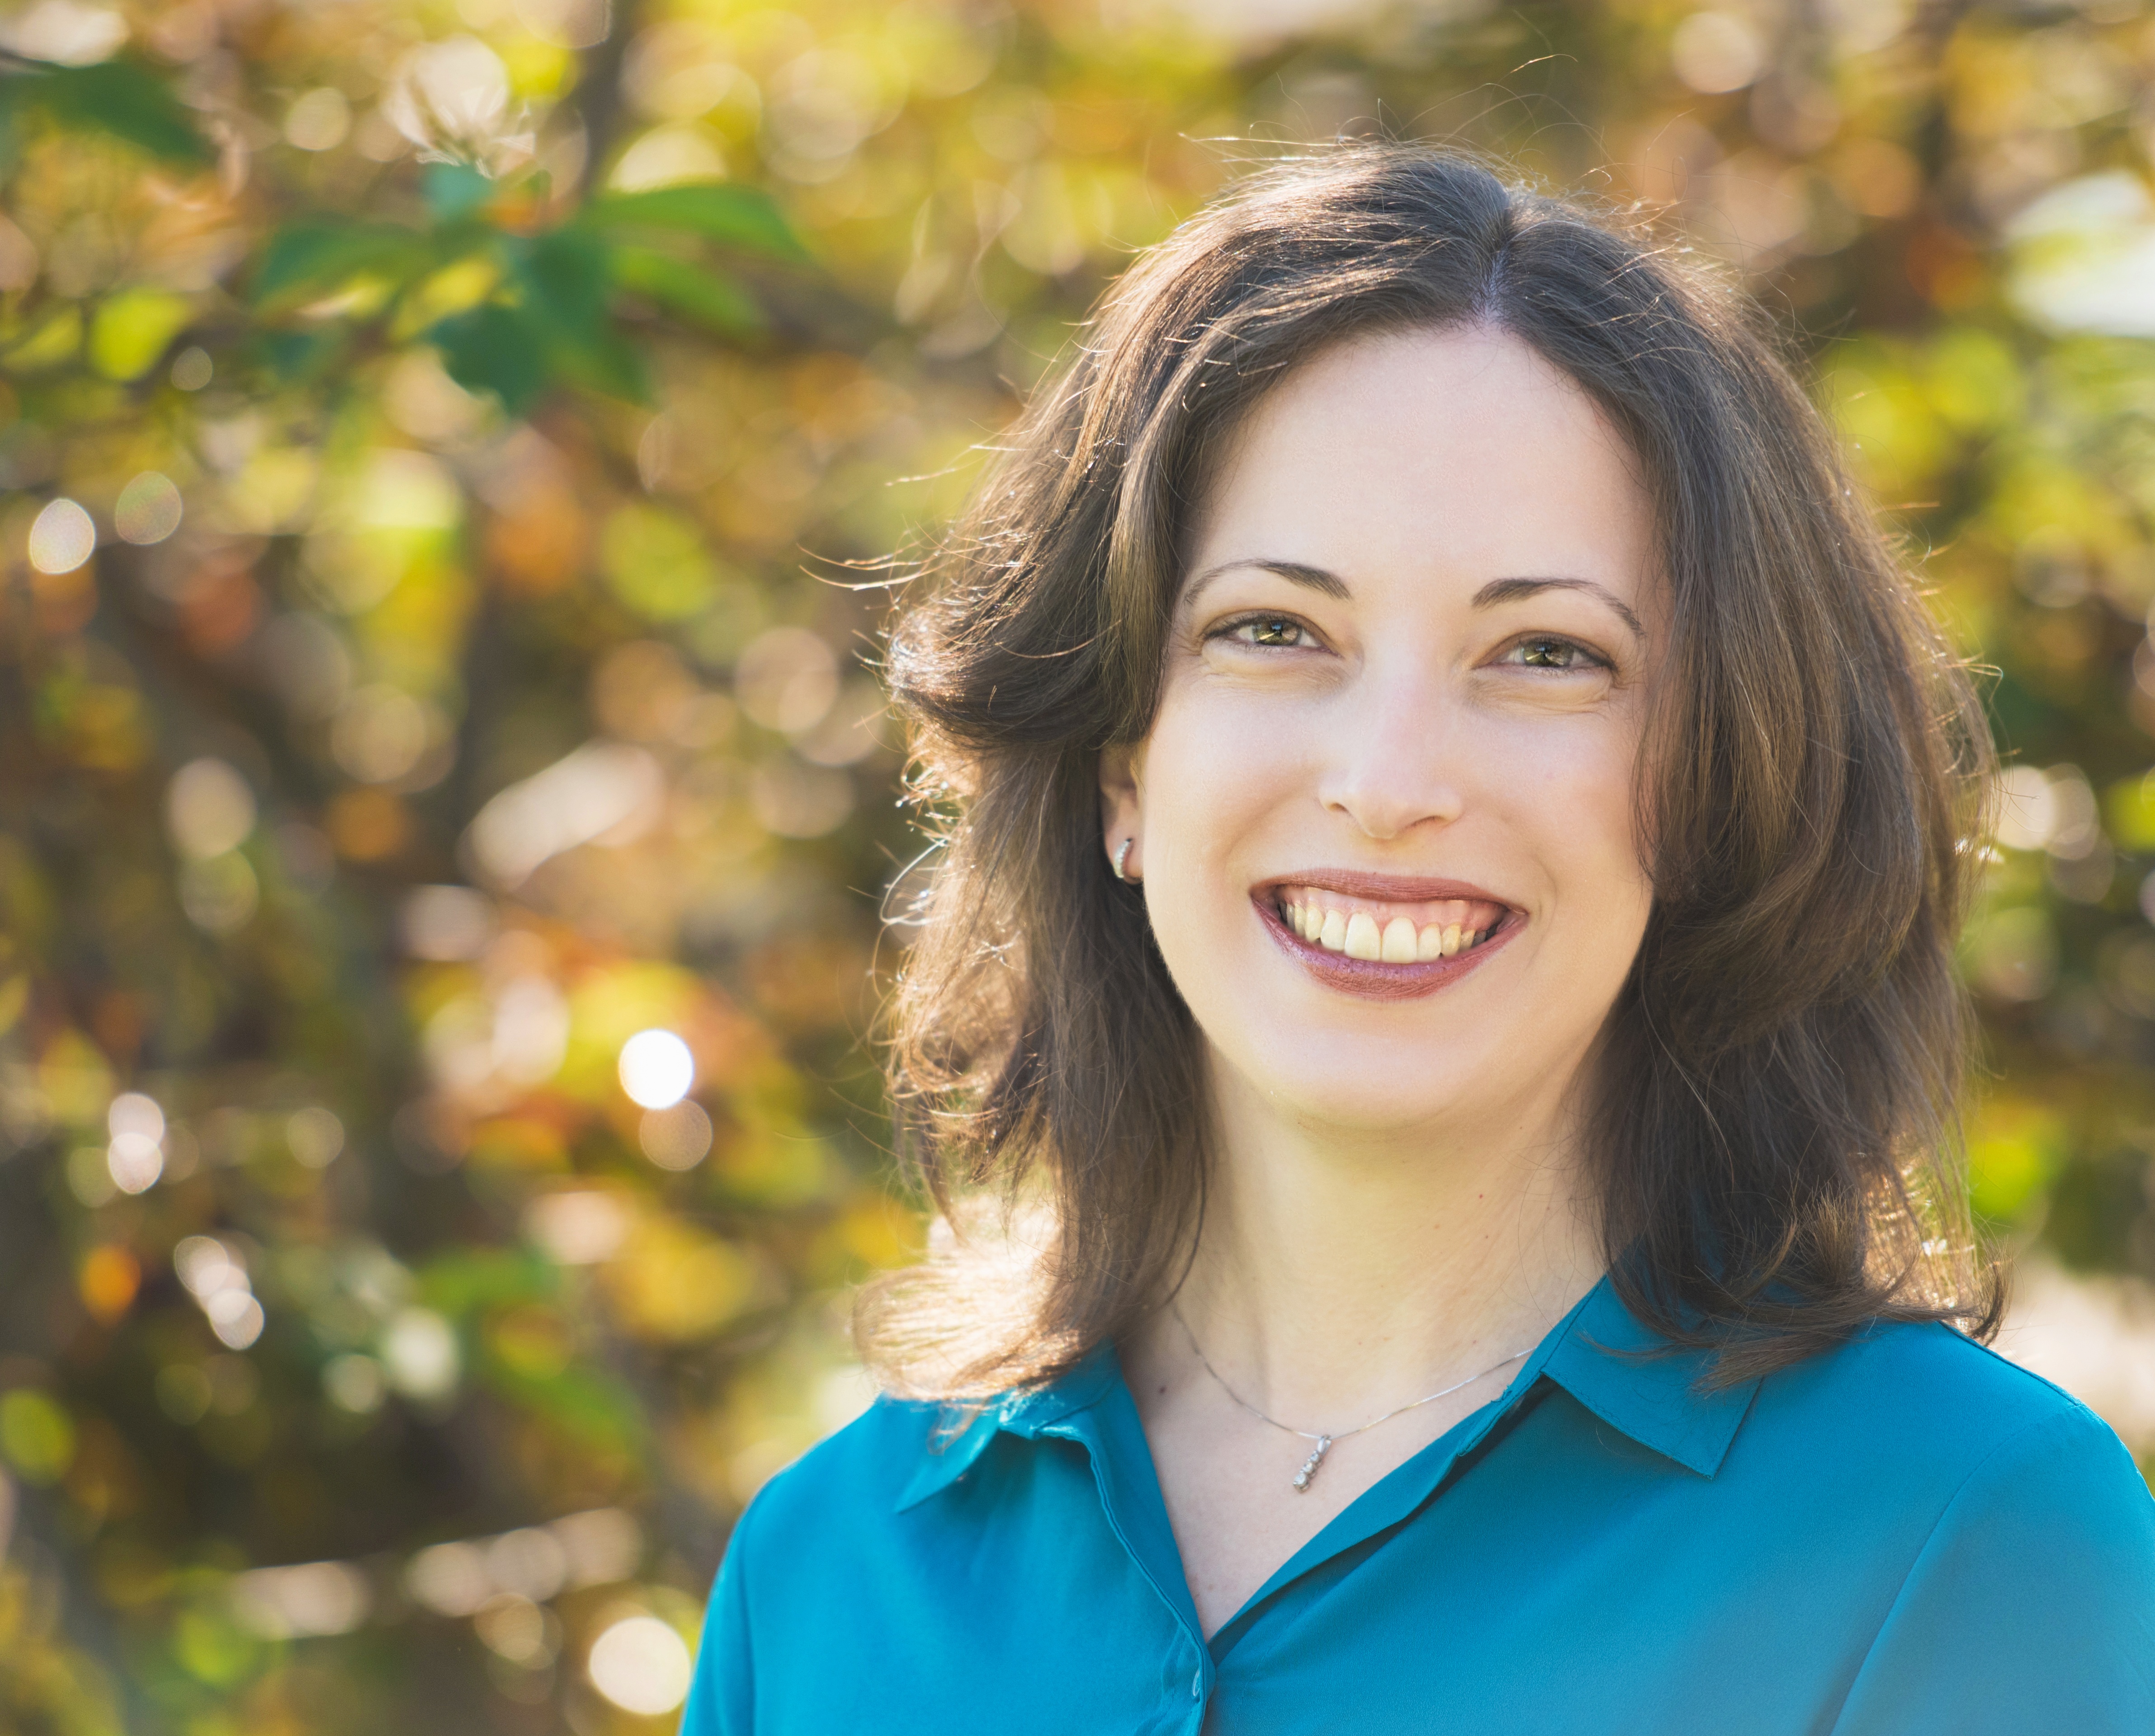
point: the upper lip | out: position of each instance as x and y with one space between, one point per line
1382 889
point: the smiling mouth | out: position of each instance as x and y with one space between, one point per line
1387 931
1384 937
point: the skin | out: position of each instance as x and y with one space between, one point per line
1397 1201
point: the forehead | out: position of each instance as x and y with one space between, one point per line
1458 451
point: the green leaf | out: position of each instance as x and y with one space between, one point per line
742 217
50 338
709 298
605 362
313 257
130 330
294 356
494 349
590 1405
120 97
472 1278
2130 809
564 279
37 1435
455 190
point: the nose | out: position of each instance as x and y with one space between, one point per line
1394 756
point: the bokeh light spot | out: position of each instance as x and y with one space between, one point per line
62 537
220 895
516 1630
450 1578
353 1383
420 1354
786 679
642 1665
446 921
148 508
1717 51
135 1162
2025 808
577 1228
318 120
133 1113
379 733
205 1265
679 1138
567 24
235 1317
308 1598
209 809
108 1279
316 1136
656 1068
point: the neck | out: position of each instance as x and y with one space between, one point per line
1339 1273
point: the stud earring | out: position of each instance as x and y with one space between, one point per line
1123 855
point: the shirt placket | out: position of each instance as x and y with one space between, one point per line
1135 1513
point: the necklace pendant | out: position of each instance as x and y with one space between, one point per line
1310 1464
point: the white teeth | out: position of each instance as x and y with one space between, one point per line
1357 933
1363 941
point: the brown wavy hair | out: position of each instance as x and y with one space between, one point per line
1775 1149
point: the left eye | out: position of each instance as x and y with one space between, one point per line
1549 653
1269 630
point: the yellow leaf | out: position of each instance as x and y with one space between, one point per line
36 1435
672 1280
132 330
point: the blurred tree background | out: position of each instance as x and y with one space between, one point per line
448 812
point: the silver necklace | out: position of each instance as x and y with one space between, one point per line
1324 1440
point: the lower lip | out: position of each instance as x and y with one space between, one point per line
1373 979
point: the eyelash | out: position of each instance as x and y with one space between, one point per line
1228 629
1586 655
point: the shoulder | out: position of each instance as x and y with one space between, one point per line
864 1466
765 1606
1921 1382
2018 1534
1925 1416
854 1486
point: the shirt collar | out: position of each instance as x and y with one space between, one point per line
1625 1373
1635 1380
956 1440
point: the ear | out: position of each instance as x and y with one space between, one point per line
1121 801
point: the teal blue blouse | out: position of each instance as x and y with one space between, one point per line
1904 1534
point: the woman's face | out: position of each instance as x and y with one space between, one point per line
1384 817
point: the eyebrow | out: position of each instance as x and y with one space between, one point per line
1316 578
1496 591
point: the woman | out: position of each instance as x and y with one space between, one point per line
1455 831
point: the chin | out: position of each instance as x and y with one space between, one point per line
1342 1081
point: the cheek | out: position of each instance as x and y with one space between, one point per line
1208 790
1566 784
1195 779
1575 803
